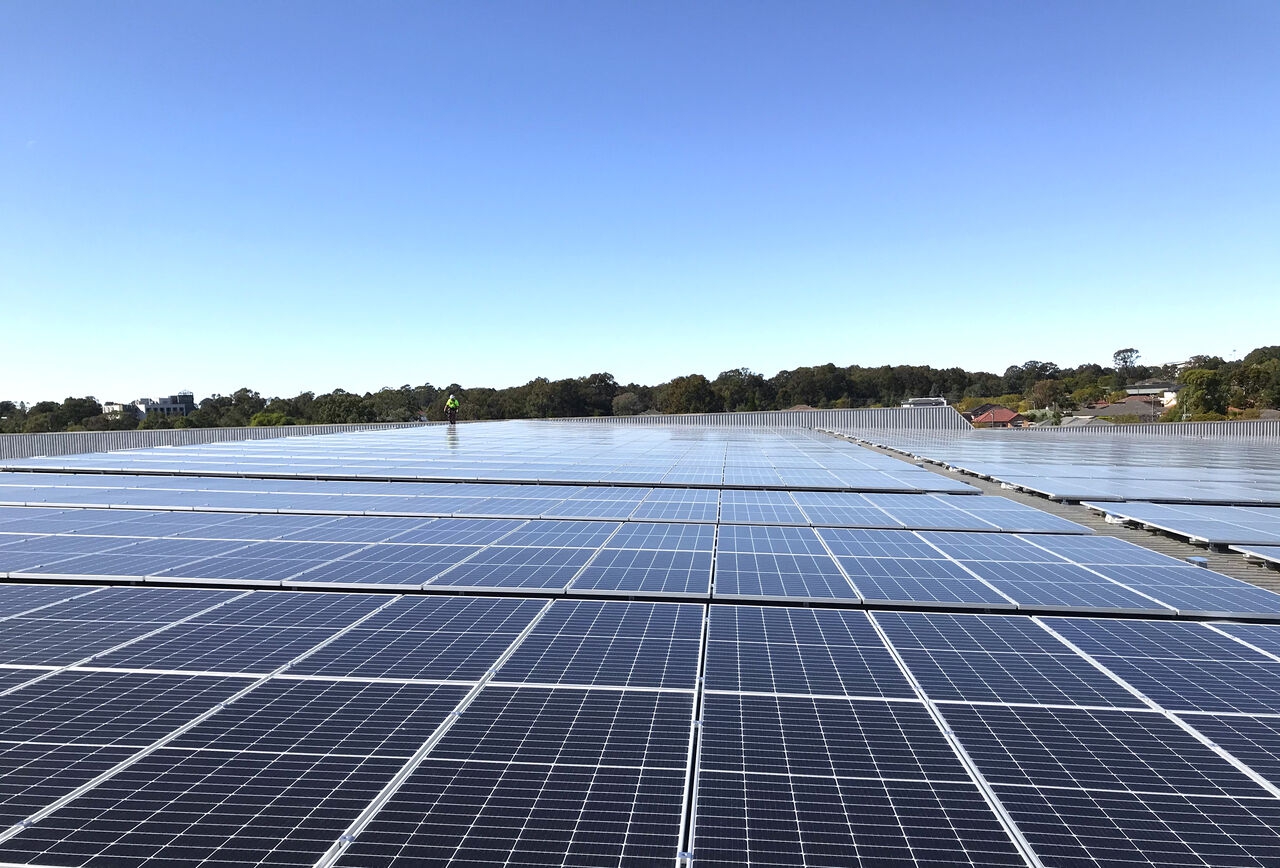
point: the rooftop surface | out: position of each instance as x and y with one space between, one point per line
559 644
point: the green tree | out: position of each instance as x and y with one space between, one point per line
691 394
340 407
1203 391
1125 360
627 404
269 418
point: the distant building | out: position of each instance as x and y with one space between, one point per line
181 404
1145 407
995 416
1164 389
925 402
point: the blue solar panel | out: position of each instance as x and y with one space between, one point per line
760 507
387 564
172 807
917 580
1092 749
1254 740
327 717
35 775
619 644
658 572
1070 827
877 544
578 727
800 651
756 819
496 813
781 577
109 708
950 660
830 737
561 534
216 648
769 540
511 567
664 537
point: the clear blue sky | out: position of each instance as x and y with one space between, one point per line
310 195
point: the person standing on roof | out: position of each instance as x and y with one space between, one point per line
451 409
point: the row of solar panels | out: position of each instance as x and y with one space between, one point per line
526 452
411 731
1213 525
1079 467
829 509
1042 572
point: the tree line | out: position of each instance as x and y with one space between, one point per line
1211 388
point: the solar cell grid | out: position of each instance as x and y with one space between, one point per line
387 564
108 708
511 567
578 727
856 542
460 531
1092 749
1254 740
988 547
482 813
366 529
407 654
54 642
635 571
1128 637
1070 828
562 534
328 717
217 648
827 737
750 819
291 609
780 576
948 632
664 537
210 807
35 775
769 540
615 619
18 599
818 659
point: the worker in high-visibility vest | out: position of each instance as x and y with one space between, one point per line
451 410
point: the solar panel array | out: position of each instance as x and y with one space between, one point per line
752 458
1209 524
575 691
1080 466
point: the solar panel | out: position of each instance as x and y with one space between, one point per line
619 644
664 537
740 575
475 813
804 651
573 727
630 571
176 806
825 737
769 540
327 717
756 819
505 729
217 648
1118 749
513 567
988 659
36 775
108 708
